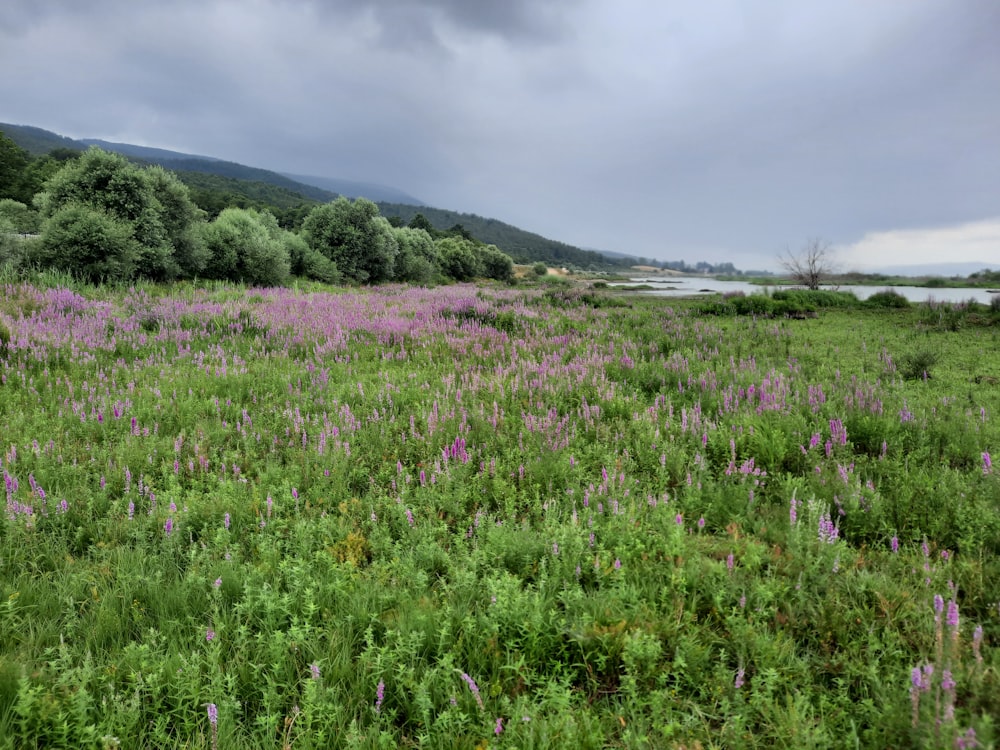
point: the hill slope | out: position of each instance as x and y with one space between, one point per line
214 179
522 246
354 189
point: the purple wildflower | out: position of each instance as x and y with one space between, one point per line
894 544
952 615
498 729
947 682
213 715
168 526
209 635
740 681
729 562
967 741
987 463
314 671
379 696
474 689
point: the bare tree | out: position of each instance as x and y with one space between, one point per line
810 265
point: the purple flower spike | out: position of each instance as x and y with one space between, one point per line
952 615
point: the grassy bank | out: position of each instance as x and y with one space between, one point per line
469 517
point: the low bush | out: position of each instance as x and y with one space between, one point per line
887 298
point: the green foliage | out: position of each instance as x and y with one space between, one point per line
13 161
307 262
88 243
37 141
246 246
21 219
812 299
213 193
151 203
180 218
355 237
459 258
9 244
539 269
521 246
418 260
888 298
397 516
917 365
495 264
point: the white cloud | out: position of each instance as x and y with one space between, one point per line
973 242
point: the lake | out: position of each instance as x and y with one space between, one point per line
694 285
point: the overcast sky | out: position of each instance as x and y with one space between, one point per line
719 130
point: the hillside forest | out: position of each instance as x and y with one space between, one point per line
215 185
103 218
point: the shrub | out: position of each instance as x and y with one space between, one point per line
817 298
917 365
243 248
888 298
88 243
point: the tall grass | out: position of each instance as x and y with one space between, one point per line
470 516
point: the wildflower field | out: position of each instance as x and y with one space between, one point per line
493 517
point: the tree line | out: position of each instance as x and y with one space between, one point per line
104 218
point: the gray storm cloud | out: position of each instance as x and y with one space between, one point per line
721 130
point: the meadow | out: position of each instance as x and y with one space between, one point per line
485 516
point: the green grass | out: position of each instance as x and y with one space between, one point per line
273 501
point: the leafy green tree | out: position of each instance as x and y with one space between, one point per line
38 172
540 269
355 237
309 263
243 246
109 183
420 222
495 264
152 202
23 219
180 218
418 260
8 242
88 243
13 163
459 259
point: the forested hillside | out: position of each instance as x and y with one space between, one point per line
522 246
216 185
106 219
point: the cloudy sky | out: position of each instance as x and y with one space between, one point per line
712 130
